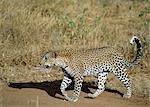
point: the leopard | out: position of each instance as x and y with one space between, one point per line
97 62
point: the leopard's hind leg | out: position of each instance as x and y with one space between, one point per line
123 77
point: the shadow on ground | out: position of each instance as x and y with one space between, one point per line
53 88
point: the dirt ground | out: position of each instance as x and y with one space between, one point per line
49 95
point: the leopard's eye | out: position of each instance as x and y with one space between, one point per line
46 58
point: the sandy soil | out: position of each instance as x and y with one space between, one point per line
49 95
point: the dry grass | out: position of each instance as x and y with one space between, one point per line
28 28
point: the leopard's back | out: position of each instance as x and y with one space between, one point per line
80 60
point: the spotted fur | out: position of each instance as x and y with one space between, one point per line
96 62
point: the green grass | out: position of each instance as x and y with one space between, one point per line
29 28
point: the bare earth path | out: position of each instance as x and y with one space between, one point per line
35 96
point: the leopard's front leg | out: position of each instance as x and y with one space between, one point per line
64 84
102 76
78 79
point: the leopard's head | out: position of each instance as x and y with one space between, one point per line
48 60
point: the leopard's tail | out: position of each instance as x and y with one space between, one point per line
138 50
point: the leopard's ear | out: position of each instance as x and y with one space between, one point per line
53 54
